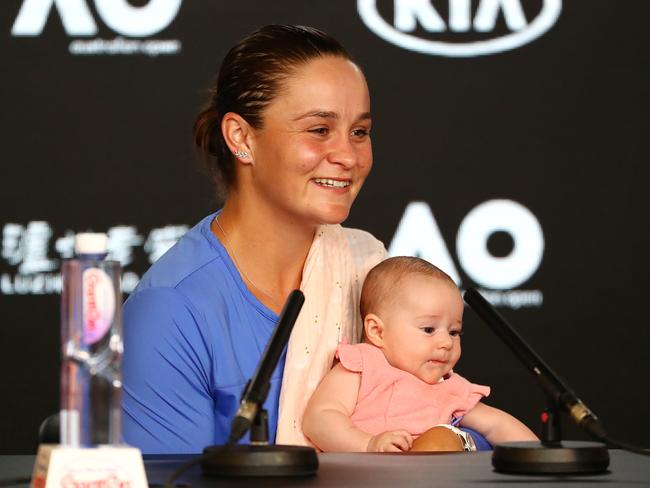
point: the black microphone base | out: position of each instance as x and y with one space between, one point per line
260 460
568 457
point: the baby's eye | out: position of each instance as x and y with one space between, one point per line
427 330
456 333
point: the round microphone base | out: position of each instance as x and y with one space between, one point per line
568 457
260 460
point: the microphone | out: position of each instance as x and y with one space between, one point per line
556 389
258 386
550 456
258 459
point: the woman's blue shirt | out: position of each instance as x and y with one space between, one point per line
193 335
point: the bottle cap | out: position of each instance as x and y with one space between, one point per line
90 243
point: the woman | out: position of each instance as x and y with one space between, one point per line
286 132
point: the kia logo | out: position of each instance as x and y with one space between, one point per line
408 14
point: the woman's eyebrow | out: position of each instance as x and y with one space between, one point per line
328 114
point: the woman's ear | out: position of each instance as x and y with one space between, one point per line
374 328
237 133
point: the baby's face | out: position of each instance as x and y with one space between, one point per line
422 327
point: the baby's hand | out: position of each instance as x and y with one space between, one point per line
392 441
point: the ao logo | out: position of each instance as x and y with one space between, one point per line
77 19
418 235
408 13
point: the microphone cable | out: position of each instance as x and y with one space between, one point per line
206 456
15 481
183 468
595 429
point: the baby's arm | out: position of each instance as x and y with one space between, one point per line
496 425
327 418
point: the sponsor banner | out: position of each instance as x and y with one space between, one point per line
465 29
134 25
29 249
418 235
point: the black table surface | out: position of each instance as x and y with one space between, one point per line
387 470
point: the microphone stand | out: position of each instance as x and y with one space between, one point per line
551 455
259 458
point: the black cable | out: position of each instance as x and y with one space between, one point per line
597 430
626 447
169 482
15 481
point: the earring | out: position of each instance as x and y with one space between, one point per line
241 154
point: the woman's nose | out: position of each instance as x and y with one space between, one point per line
343 152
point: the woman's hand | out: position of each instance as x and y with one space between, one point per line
496 425
391 441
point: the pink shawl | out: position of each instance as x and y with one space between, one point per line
336 266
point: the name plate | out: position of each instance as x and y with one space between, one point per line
98 467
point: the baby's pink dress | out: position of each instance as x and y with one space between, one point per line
392 399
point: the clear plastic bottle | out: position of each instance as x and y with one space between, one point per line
91 338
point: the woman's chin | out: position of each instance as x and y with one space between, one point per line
333 214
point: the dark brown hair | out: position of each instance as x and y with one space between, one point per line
382 280
250 77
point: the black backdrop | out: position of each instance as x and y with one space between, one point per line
96 135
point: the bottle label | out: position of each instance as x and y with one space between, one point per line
98 304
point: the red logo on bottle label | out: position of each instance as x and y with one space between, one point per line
108 481
98 304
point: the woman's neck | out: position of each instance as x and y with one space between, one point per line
269 249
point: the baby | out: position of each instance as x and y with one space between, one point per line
399 383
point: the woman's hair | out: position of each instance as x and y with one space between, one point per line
382 280
250 77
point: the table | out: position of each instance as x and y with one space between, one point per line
342 470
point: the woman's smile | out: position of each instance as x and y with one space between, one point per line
332 183
337 186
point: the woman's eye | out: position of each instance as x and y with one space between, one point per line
360 133
427 330
319 130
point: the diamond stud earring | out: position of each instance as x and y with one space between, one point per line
240 154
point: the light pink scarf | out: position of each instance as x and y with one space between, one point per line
336 266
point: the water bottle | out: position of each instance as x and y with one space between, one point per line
91 338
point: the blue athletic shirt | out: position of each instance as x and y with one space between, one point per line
193 335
